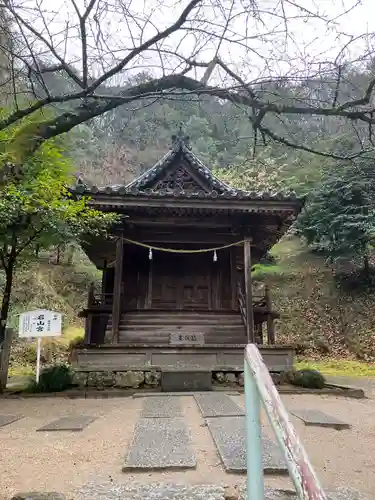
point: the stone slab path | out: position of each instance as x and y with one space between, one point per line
217 405
318 418
8 419
160 443
142 395
229 434
171 491
103 451
75 424
164 407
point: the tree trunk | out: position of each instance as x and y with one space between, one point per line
6 298
71 251
366 265
5 310
4 358
58 255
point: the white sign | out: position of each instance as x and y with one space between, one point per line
40 323
186 338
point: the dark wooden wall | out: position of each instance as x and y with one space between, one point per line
184 281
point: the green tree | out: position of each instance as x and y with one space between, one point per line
339 217
38 211
262 173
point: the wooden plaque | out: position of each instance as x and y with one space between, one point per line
186 339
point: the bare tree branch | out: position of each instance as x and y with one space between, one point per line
248 53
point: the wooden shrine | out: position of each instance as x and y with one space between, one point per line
176 287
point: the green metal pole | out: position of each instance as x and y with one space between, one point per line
255 480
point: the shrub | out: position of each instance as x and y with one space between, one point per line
27 353
31 387
76 342
268 259
73 344
308 378
55 378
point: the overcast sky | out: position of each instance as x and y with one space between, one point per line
254 47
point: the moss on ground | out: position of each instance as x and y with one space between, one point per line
341 367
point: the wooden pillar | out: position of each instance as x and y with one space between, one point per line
248 292
91 295
88 329
103 290
148 304
270 320
116 301
88 320
258 332
233 278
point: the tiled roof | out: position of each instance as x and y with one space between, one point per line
180 148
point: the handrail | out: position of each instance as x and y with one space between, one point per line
259 387
241 303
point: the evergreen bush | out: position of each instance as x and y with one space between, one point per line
308 378
55 378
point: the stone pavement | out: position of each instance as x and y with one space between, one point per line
163 442
367 384
173 444
170 491
160 443
165 491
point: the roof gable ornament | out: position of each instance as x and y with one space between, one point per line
180 171
180 140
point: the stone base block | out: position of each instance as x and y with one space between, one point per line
170 380
182 381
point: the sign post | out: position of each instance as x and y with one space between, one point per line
37 324
38 346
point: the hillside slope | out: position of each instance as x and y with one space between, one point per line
62 288
315 311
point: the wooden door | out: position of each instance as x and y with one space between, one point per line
196 281
165 293
135 278
181 281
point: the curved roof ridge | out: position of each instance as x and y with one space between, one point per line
160 163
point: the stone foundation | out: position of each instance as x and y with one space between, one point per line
133 379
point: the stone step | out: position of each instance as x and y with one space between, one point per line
157 334
185 380
171 328
172 322
181 312
179 321
156 339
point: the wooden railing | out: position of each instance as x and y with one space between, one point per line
259 387
97 298
241 303
261 303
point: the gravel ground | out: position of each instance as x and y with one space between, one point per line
67 461
189 492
